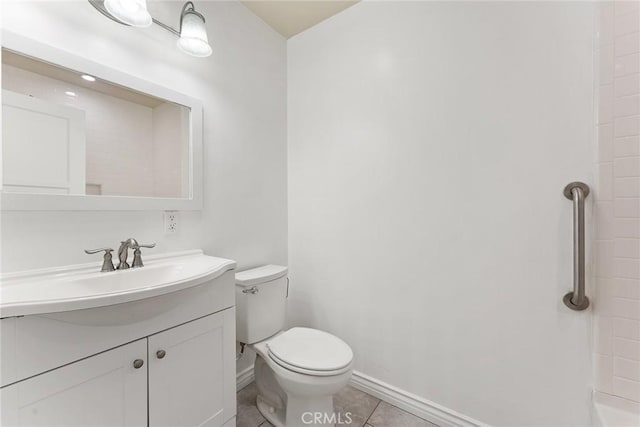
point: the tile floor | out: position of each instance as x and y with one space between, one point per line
366 410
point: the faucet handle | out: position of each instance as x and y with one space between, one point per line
107 263
138 245
137 254
95 251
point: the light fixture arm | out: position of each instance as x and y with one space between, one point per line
187 8
166 27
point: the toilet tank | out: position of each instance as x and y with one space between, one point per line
261 297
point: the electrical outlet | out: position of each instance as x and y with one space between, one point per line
170 222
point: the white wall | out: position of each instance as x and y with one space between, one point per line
617 308
429 143
242 87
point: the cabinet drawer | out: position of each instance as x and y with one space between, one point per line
43 342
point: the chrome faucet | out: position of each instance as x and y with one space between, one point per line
123 254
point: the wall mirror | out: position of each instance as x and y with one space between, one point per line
78 135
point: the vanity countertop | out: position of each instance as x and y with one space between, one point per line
78 287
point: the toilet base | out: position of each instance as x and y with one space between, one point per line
275 416
287 403
299 412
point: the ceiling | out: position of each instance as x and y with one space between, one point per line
290 17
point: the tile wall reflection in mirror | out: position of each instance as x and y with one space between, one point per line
66 132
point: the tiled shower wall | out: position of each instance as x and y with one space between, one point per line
617 195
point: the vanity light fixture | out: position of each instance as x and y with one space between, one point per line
131 12
88 78
192 34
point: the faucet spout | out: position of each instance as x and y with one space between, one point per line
123 253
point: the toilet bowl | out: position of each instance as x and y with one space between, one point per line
293 388
297 371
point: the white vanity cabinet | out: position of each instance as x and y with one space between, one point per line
166 360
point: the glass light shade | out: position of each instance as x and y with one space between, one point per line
132 12
193 37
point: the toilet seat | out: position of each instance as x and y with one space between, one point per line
310 352
308 372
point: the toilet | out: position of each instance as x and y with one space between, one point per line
297 371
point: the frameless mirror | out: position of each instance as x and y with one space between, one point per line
79 135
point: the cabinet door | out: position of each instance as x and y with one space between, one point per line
102 390
192 373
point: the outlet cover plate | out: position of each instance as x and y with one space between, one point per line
170 222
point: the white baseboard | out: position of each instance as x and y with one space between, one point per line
244 378
409 402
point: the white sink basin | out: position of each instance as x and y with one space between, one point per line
84 286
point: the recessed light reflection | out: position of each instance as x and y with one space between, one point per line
71 94
88 78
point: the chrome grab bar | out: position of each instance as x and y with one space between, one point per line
577 192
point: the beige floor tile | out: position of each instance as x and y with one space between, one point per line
248 414
358 404
364 410
387 415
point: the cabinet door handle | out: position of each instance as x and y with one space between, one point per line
160 354
138 363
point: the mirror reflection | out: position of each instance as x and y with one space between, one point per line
65 132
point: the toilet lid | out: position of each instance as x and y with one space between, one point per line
310 350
